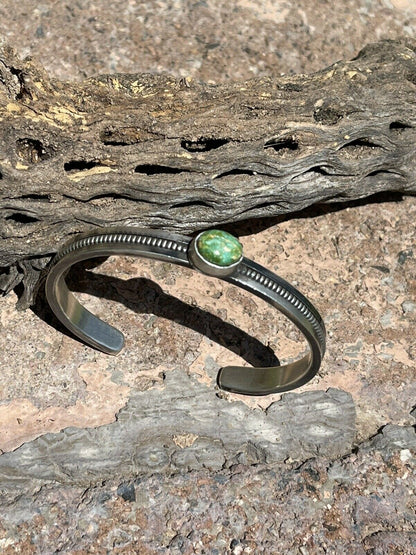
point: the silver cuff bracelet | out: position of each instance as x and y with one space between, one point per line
214 253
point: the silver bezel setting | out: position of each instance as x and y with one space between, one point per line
208 268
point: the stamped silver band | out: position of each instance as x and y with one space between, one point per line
182 250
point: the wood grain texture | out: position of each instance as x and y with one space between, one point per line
182 427
152 150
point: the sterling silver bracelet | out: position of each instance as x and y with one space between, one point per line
214 253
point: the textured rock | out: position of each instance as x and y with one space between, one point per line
363 503
182 427
391 438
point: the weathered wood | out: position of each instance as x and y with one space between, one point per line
182 427
148 150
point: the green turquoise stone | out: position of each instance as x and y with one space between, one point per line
219 247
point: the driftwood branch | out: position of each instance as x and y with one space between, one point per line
148 150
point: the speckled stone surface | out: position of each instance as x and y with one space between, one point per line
361 504
357 264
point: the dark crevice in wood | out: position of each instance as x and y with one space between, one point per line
110 137
155 169
399 126
383 172
282 145
320 170
192 203
411 77
127 135
236 171
21 218
203 144
81 165
361 142
116 143
359 146
113 197
18 73
31 150
33 196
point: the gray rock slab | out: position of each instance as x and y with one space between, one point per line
186 426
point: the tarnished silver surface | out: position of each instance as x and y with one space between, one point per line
173 248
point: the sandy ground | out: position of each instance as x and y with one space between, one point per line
355 262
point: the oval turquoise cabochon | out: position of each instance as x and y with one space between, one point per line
219 247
